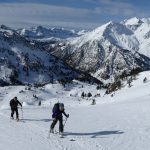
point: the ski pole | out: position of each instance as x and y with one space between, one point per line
49 132
65 122
22 113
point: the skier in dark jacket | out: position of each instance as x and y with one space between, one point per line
58 110
14 107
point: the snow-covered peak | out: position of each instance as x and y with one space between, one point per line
111 32
96 34
5 29
41 32
132 34
146 20
133 21
82 32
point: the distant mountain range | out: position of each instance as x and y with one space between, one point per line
25 62
40 55
43 33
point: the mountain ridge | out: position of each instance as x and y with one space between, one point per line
24 62
91 51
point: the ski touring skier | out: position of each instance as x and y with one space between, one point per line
14 107
57 111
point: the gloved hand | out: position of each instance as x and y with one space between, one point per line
67 116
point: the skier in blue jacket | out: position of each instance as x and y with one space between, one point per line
58 110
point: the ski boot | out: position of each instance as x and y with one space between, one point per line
51 131
12 118
61 134
17 119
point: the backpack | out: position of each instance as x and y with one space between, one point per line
55 108
13 103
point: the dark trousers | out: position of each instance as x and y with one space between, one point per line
60 124
14 110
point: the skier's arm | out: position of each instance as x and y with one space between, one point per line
19 103
65 114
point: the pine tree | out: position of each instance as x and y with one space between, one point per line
144 80
39 103
89 94
82 95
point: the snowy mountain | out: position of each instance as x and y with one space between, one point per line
22 61
105 52
47 34
109 49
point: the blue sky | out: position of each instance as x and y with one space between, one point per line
70 13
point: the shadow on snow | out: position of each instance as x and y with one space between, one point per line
42 120
95 134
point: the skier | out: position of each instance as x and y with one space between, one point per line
14 107
58 110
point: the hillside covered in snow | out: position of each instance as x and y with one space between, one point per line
113 123
108 50
25 62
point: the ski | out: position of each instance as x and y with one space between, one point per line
20 120
17 120
62 137
56 134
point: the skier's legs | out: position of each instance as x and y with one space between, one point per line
53 123
17 114
12 112
61 128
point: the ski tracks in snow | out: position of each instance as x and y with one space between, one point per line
33 136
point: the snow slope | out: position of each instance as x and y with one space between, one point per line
114 123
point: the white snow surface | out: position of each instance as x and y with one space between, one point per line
120 122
